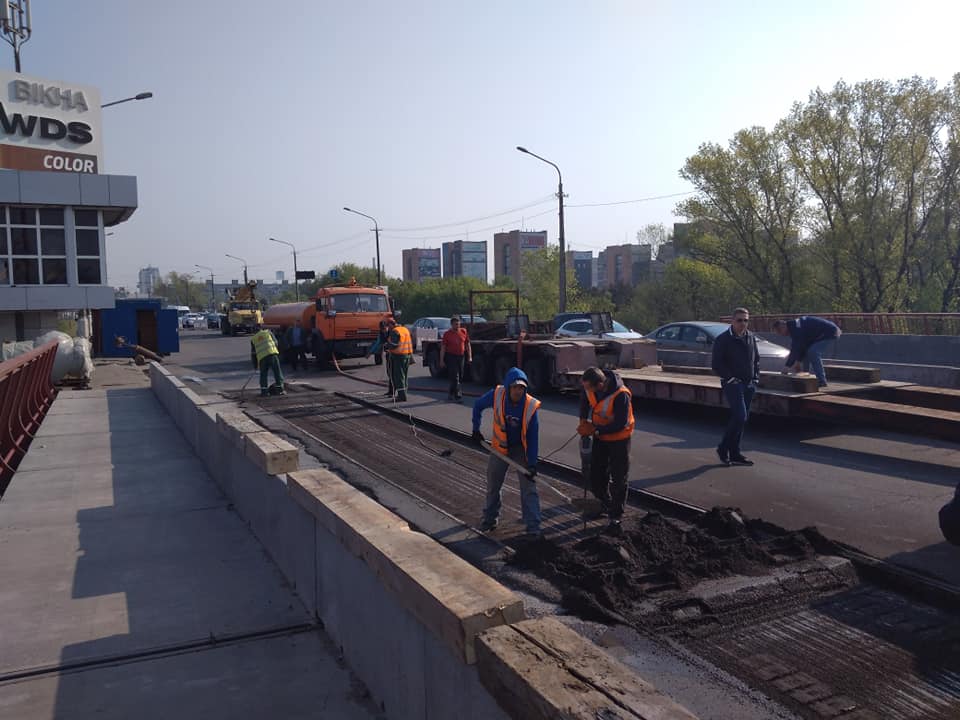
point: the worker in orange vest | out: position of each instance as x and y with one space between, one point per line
400 346
606 414
516 435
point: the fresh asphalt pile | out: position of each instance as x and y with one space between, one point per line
607 577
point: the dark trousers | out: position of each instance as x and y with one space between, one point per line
398 372
268 364
386 365
609 467
739 396
297 354
454 364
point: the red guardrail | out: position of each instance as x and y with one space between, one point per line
26 393
874 323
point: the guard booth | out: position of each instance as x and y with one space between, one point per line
141 322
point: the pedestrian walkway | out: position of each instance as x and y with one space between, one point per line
129 587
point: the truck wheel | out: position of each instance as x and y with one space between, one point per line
536 374
480 369
232 330
501 364
432 361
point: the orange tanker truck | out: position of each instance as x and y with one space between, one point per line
341 320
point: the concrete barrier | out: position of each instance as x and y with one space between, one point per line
405 611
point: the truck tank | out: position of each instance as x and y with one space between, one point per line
283 316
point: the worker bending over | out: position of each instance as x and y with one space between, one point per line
606 413
516 435
265 355
400 346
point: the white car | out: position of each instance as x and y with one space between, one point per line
584 328
195 320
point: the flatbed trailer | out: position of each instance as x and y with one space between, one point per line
545 359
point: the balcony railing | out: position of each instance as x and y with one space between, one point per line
26 393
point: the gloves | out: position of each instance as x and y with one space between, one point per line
586 428
477 437
531 473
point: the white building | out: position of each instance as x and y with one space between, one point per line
54 205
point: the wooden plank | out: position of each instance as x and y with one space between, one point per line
541 669
852 373
271 454
454 600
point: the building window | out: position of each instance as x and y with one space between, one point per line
88 246
32 246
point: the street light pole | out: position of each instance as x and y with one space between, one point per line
376 231
213 301
138 96
296 283
563 244
245 281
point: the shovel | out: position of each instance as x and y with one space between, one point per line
583 505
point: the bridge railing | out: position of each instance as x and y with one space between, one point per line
874 323
26 393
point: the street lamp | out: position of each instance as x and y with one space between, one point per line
376 230
244 265
138 96
563 246
213 300
296 282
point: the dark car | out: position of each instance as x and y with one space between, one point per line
428 324
699 337
213 321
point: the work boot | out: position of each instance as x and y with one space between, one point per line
264 393
401 396
740 460
724 457
388 393
488 525
614 528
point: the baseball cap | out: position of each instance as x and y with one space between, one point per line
519 381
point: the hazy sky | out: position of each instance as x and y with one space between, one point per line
269 117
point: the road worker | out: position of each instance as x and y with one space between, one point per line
265 355
516 435
377 348
400 347
606 414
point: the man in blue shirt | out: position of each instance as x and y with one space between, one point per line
516 434
296 341
809 338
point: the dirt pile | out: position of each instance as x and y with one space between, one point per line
604 577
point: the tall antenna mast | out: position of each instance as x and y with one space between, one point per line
16 25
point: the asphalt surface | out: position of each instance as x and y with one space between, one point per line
876 490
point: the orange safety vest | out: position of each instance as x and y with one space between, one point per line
499 440
405 347
603 414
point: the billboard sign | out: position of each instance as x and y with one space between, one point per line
533 240
49 125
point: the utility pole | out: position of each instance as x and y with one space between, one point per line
16 26
563 244
296 282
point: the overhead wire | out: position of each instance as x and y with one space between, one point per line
540 201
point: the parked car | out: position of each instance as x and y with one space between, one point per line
194 320
699 337
213 321
425 327
584 328
465 319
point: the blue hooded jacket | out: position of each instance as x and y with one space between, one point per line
514 415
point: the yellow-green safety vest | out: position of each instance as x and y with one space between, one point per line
264 344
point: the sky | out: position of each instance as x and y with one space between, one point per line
269 117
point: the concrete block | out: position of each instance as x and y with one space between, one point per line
799 384
234 426
455 689
687 370
541 669
271 454
852 374
450 597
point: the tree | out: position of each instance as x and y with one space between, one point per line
181 289
751 200
654 235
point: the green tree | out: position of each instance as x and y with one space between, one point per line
183 289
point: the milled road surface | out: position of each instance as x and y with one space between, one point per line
878 491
